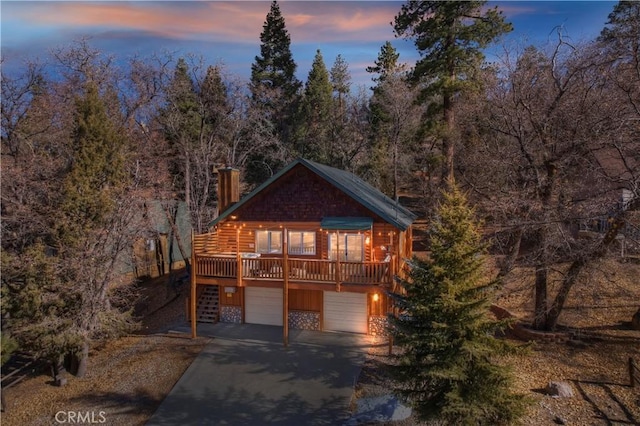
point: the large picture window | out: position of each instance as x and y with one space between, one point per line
302 242
269 242
349 247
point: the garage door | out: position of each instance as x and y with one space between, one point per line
345 312
263 305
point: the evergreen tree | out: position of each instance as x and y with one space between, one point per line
274 92
275 67
93 201
621 39
450 36
57 291
181 120
396 120
386 63
340 81
214 98
622 30
391 101
315 114
97 170
447 366
215 137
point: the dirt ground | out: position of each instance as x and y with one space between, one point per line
129 377
594 363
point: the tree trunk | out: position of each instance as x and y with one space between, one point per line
576 267
83 360
549 198
511 258
57 367
187 181
395 171
540 313
448 143
551 321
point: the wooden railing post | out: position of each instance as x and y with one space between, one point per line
194 283
338 278
285 289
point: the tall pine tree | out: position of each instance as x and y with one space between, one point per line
383 160
275 93
340 81
181 121
57 291
386 64
97 170
274 68
450 36
447 366
315 114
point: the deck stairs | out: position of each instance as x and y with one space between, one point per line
208 306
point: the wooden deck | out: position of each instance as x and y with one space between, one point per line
234 267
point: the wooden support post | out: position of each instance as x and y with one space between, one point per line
242 304
194 283
238 260
285 290
338 278
393 308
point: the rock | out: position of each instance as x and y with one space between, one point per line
635 320
381 409
559 389
577 344
60 381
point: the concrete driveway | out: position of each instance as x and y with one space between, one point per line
247 377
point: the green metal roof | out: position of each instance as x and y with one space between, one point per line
347 223
359 190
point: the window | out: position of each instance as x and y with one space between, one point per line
269 241
351 247
302 242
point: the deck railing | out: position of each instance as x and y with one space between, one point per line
305 270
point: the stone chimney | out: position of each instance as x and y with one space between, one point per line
228 188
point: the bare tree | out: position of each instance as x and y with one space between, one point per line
398 117
552 148
65 227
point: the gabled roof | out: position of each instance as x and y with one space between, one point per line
356 188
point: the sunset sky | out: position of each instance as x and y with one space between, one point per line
228 32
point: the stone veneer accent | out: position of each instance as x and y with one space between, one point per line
378 325
304 320
231 314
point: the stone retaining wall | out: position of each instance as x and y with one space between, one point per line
378 325
231 314
304 320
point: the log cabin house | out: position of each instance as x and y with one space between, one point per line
314 247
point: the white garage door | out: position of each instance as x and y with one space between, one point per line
345 312
263 305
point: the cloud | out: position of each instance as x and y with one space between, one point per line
335 21
178 20
219 21
511 10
